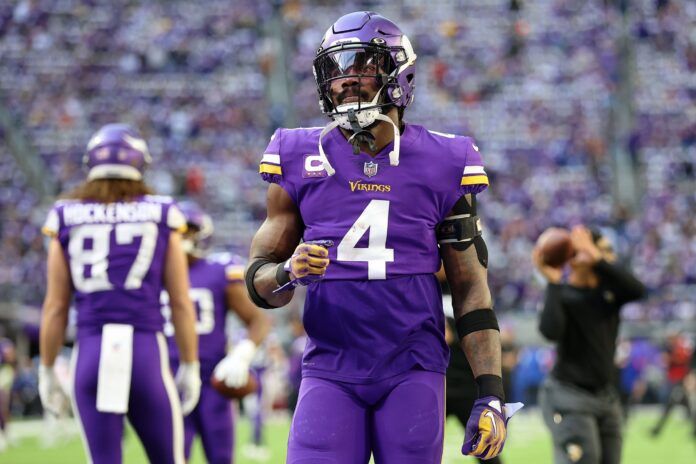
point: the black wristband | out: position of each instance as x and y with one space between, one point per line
282 276
490 385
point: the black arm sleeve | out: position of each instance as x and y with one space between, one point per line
626 286
552 322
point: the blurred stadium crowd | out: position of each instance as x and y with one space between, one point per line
534 82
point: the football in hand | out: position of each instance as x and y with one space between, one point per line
235 392
555 247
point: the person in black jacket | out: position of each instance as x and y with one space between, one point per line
579 401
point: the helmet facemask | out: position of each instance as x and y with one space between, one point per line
197 239
345 74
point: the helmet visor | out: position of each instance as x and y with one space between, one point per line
361 67
342 61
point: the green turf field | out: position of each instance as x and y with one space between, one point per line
528 443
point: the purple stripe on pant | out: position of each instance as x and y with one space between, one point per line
153 409
399 420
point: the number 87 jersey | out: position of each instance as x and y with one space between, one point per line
116 255
382 220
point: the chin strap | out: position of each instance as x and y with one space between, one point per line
360 134
357 138
394 154
324 160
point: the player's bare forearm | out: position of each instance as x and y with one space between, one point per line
275 241
176 282
185 332
54 315
482 349
257 322
468 280
53 323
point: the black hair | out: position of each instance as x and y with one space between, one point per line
596 234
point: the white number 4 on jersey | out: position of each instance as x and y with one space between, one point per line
374 220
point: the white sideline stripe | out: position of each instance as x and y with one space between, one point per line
170 387
474 170
270 158
73 366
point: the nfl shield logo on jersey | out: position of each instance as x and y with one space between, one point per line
371 169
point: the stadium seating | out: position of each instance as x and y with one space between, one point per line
533 86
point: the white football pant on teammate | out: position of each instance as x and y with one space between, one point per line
53 397
188 382
233 370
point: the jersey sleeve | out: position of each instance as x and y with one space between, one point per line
234 272
176 219
270 168
232 264
52 224
274 168
474 177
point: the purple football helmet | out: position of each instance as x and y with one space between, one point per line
201 226
359 51
361 46
116 151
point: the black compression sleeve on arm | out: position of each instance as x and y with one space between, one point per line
282 276
478 319
249 281
625 284
552 321
490 385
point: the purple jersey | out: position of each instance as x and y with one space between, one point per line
378 311
209 278
116 254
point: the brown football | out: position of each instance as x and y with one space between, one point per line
235 393
555 246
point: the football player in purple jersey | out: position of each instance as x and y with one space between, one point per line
217 286
114 246
356 212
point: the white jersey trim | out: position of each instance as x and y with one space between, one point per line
175 218
173 395
73 400
52 223
474 170
270 158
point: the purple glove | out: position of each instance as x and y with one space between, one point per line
486 429
307 264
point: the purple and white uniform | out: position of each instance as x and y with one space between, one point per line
212 418
377 314
116 253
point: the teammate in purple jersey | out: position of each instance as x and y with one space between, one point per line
217 286
374 197
115 246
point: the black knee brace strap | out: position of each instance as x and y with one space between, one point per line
478 319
